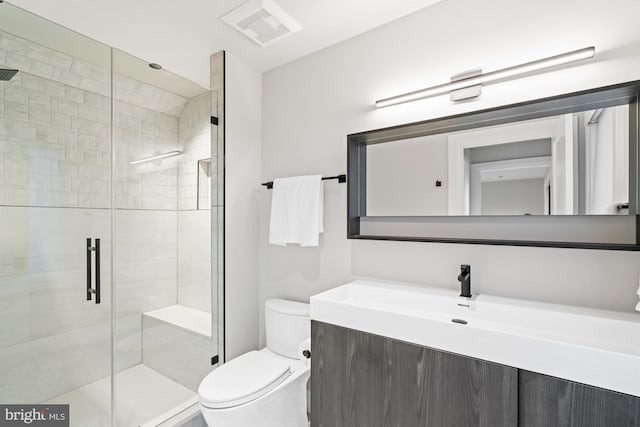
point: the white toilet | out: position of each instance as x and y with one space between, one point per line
266 388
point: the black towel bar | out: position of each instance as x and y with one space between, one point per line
341 179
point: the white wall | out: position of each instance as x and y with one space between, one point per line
514 197
243 87
310 105
609 166
401 177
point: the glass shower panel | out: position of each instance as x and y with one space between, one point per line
217 197
164 339
216 193
55 218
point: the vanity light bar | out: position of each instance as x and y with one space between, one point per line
492 76
156 157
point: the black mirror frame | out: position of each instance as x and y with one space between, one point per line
608 96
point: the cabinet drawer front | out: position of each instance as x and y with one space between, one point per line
360 379
546 401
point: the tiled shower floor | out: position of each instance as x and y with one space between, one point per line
142 395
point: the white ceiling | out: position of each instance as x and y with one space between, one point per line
181 35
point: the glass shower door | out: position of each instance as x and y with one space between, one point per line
55 218
165 325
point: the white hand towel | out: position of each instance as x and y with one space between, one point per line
297 206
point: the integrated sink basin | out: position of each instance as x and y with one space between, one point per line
595 347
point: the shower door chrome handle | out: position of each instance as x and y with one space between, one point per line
91 290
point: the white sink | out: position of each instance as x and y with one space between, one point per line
600 348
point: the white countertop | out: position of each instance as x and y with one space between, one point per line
595 347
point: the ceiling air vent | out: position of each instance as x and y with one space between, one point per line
262 21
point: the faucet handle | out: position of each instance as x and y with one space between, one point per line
465 271
465 280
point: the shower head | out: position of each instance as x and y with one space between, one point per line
6 75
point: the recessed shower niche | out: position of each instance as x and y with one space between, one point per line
95 144
204 183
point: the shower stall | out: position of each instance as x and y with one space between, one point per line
110 228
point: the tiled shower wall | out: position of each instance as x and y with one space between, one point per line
54 125
146 123
195 138
195 266
194 238
54 128
161 254
55 153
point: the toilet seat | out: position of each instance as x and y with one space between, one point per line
242 380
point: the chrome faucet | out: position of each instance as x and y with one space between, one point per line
465 280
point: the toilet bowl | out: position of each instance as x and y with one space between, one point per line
266 388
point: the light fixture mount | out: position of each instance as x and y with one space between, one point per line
493 76
466 93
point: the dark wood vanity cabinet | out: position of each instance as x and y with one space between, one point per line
553 402
365 380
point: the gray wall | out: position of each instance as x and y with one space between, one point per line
310 105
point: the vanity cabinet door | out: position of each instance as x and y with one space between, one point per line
364 380
553 402
330 394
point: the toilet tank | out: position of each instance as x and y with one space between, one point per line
287 324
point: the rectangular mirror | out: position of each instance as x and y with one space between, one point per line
571 156
569 164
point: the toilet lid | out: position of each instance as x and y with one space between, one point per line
242 380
